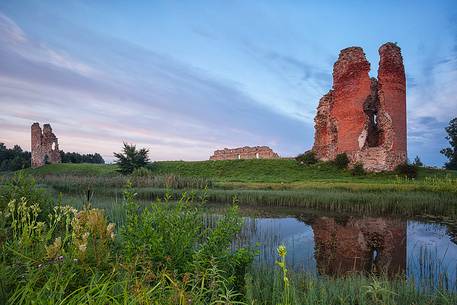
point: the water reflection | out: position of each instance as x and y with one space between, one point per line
336 245
367 244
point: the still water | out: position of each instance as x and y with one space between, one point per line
327 244
337 244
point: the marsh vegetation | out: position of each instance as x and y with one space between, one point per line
74 248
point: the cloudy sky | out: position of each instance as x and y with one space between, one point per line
185 78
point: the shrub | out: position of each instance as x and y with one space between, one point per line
307 158
131 158
341 161
407 170
358 170
418 162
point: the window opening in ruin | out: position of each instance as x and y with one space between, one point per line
239 157
53 146
46 159
256 155
371 109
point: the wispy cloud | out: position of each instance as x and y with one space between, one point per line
155 101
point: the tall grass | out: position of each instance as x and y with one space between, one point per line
265 286
376 203
68 183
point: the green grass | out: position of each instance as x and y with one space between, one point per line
264 286
246 171
79 169
373 203
279 182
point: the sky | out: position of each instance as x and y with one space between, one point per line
184 78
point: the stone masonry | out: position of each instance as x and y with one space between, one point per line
45 146
361 116
257 152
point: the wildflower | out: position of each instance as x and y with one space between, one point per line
110 230
53 250
82 248
282 251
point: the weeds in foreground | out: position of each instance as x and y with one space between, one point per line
161 255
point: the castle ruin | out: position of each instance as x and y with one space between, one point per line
361 116
257 152
45 146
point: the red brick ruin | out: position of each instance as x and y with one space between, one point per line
257 152
362 117
45 146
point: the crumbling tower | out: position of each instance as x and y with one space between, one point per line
45 146
362 117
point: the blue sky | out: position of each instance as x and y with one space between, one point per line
185 78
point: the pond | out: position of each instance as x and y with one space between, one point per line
422 249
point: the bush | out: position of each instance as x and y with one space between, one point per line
307 158
341 161
131 158
358 170
418 162
407 170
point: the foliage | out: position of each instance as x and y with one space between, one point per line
282 252
341 161
12 159
15 158
358 170
417 162
74 157
142 172
451 152
265 286
130 158
307 158
21 186
163 254
407 170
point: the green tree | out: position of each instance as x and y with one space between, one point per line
130 158
418 162
451 152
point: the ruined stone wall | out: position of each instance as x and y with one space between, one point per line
45 146
257 152
362 117
360 245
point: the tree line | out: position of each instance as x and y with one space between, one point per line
12 159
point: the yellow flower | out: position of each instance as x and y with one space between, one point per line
282 251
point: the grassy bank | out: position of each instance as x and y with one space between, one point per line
280 182
373 202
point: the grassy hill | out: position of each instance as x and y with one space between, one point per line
247 171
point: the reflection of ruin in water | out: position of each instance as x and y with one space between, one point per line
362 245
